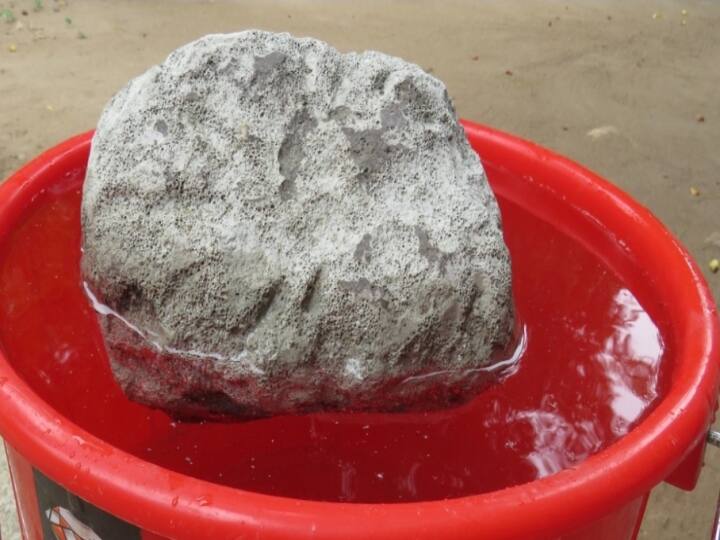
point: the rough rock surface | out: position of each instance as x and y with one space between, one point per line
272 226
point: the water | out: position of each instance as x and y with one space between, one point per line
590 372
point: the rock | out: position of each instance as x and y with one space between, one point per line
271 226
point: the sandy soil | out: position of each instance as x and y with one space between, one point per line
644 73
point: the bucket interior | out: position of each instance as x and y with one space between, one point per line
596 360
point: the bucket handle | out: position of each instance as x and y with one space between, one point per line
713 438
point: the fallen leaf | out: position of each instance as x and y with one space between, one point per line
8 15
508 72
713 239
602 131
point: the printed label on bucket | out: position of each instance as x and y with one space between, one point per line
65 516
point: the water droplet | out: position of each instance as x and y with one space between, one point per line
79 440
203 500
175 500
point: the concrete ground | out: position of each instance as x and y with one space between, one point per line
628 89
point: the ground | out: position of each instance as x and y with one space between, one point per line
628 89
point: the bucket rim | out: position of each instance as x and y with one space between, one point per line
178 506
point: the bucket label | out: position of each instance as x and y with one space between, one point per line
65 516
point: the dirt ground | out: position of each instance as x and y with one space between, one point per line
628 89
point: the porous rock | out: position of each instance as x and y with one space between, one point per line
271 226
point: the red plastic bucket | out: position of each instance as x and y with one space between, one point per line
602 498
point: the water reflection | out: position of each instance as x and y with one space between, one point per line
636 340
558 443
629 359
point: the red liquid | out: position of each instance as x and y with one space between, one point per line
591 371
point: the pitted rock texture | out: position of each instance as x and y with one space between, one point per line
272 226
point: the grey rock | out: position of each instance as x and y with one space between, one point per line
271 226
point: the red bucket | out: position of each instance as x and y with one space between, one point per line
601 498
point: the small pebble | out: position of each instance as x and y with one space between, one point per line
695 192
12 47
714 265
684 22
684 12
508 72
700 118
